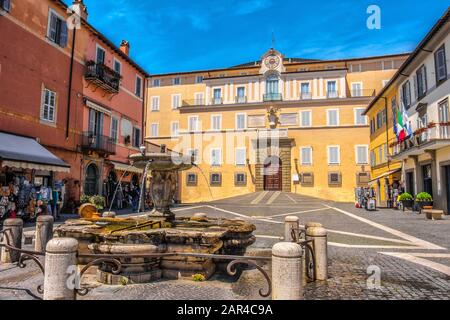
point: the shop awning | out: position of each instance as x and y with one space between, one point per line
384 175
126 167
26 153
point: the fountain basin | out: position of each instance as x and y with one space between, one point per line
143 235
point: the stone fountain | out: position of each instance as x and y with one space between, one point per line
159 231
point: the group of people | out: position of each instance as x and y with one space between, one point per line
127 197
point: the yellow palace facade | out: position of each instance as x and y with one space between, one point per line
277 124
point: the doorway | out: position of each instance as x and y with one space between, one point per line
272 174
410 182
447 186
427 179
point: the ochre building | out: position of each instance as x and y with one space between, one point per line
277 124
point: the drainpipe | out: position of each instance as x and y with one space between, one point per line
69 100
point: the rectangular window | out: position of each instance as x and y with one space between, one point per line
357 89
256 121
289 119
217 96
193 123
138 91
199 79
48 107
334 179
175 129
241 156
241 121
117 66
332 117
216 179
154 132
136 137
360 119
240 179
385 152
406 95
373 159
5 5
155 104
305 91
114 129
176 101
362 154
332 89
216 122
306 156
241 98
57 29
440 63
216 157
306 118
191 179
100 55
380 154
176 81
156 82
421 75
334 157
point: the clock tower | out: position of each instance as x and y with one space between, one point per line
272 62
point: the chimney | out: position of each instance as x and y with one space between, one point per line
80 8
125 47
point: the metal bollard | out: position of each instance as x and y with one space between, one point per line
44 232
291 223
15 240
319 244
287 271
60 257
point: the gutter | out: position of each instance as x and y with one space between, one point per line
69 99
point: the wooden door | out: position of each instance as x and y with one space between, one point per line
273 174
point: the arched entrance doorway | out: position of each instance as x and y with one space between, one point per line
272 174
91 180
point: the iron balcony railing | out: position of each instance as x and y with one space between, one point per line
241 99
305 96
103 76
217 101
272 97
332 94
434 132
98 143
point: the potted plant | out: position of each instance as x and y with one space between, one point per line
407 200
424 199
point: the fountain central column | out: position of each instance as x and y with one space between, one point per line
162 189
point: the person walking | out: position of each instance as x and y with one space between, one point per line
119 197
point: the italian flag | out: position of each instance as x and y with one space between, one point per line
401 127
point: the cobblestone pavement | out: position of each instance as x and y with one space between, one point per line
410 252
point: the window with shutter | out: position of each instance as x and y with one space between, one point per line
5 5
306 156
64 35
48 107
289 119
333 155
240 121
333 117
440 64
175 129
154 130
155 103
114 129
216 157
193 123
306 118
361 154
137 137
241 156
216 122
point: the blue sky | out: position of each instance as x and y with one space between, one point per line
180 35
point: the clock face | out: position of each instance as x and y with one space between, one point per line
272 62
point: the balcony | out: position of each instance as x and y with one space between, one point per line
240 99
217 101
272 97
433 137
305 96
332 94
98 143
102 76
362 93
